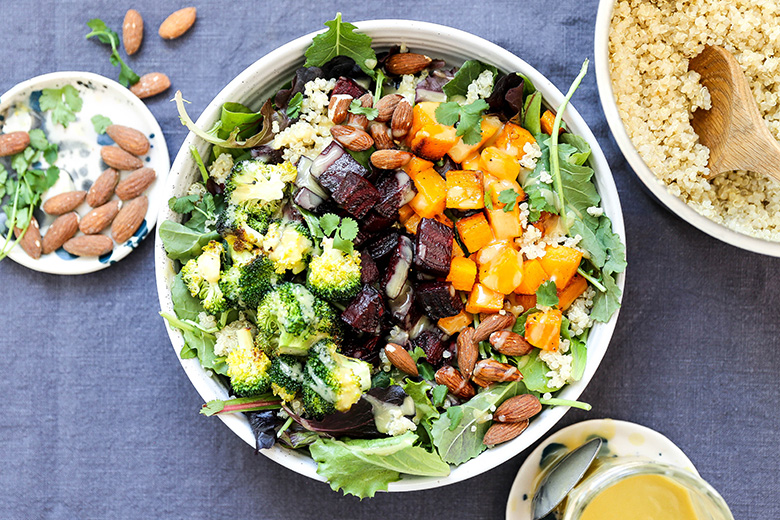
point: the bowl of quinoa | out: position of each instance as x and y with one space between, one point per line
642 50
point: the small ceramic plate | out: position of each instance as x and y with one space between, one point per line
79 155
624 439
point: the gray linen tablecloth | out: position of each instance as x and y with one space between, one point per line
99 421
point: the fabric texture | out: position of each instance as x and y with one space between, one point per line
100 421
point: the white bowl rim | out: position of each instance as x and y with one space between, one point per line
656 186
606 186
87 265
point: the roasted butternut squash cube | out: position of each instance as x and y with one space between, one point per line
404 212
457 250
504 272
571 292
417 165
533 276
547 123
463 273
500 164
473 162
465 189
543 329
483 299
488 252
489 125
423 114
433 141
412 222
526 301
505 224
512 139
560 263
431 194
441 217
454 324
494 187
474 232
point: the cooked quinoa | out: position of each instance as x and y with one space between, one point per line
650 44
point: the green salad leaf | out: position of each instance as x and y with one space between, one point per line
294 105
341 40
607 302
241 404
182 243
534 372
532 110
362 467
468 72
105 35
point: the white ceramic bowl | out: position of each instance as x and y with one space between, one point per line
257 83
656 186
105 97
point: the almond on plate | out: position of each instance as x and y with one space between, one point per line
178 23
13 143
132 31
135 184
102 188
64 202
31 241
89 245
129 219
117 158
99 218
61 230
128 139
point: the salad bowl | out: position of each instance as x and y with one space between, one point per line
261 80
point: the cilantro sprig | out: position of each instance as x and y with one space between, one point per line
356 108
547 294
100 123
467 117
341 40
509 198
343 230
63 102
105 35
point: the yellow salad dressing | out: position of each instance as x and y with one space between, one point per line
641 497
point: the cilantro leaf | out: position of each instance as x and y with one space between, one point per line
341 40
547 294
348 229
100 123
489 198
468 72
38 139
329 222
105 35
183 204
509 198
356 108
467 117
63 102
294 106
448 113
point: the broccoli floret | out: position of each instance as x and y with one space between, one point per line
286 375
290 319
259 186
201 276
334 275
245 284
247 367
332 381
288 244
248 228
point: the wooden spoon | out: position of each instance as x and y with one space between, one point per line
733 128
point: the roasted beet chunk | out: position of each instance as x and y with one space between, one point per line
366 311
433 247
438 299
430 341
349 87
369 273
395 190
375 223
381 247
398 268
365 348
355 194
335 161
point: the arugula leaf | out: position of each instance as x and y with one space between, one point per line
358 109
606 303
361 467
547 294
380 83
467 117
468 72
100 123
509 199
534 372
294 106
580 145
541 196
341 40
105 35
63 102
439 395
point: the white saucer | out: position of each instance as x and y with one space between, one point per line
622 439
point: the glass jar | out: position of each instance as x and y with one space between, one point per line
705 500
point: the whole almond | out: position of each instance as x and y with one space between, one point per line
102 188
386 106
518 408
129 219
488 371
89 245
64 202
117 158
99 218
381 135
402 119
338 108
352 138
468 352
401 359
492 323
135 184
503 432
177 23
13 143
390 159
31 241
128 139
150 85
360 120
407 63
132 31
455 382
510 343
62 229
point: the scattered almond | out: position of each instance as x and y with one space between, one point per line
400 358
359 120
62 229
386 106
129 219
128 139
468 353
503 432
103 188
518 408
31 241
407 63
510 343
493 323
89 245
150 85
99 218
132 31
64 202
13 143
491 371
338 108
178 23
117 158
381 135
455 382
390 159
352 138
402 119
135 184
